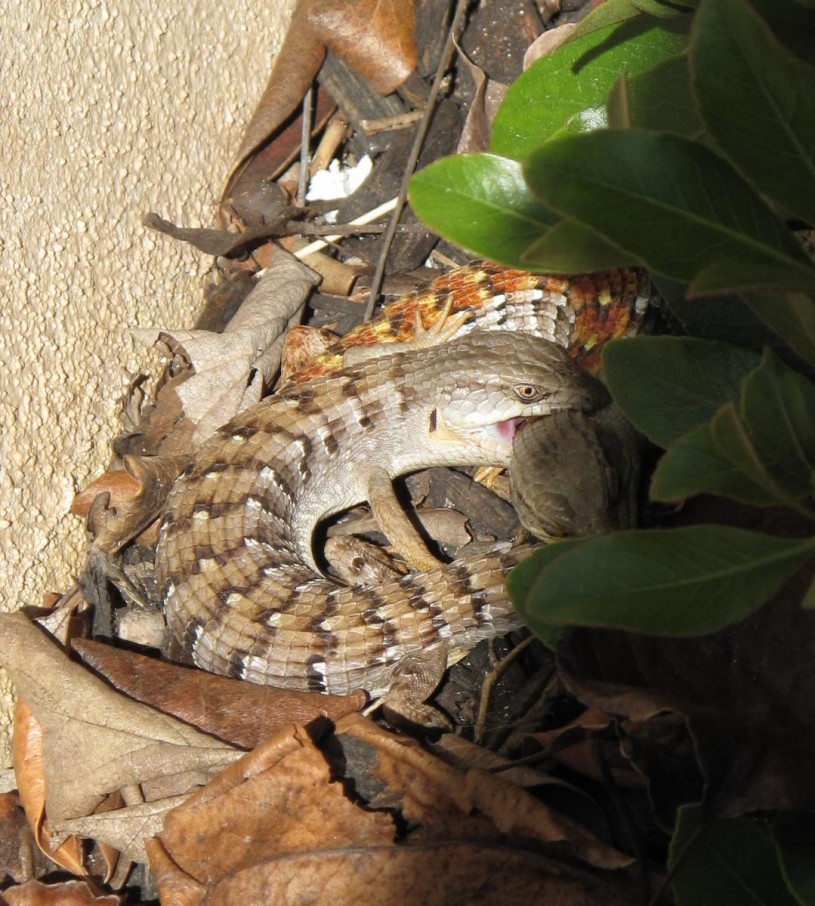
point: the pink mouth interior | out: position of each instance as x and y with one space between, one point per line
507 429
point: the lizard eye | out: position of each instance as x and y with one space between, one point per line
529 393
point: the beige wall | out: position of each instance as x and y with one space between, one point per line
108 109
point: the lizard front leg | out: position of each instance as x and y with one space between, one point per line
395 524
446 326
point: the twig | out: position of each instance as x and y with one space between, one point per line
421 133
305 149
367 217
386 123
490 680
333 136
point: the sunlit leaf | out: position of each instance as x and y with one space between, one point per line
659 98
583 71
686 210
572 248
481 202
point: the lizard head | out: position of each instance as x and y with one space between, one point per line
493 381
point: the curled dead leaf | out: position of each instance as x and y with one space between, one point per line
172 884
96 741
306 837
122 503
27 749
231 368
67 893
375 37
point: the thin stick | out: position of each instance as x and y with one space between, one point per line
421 133
489 682
320 244
305 149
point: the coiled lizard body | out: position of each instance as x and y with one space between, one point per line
243 589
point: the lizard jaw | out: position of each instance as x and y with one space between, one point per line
499 435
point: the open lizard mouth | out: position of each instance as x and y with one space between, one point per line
507 430
504 431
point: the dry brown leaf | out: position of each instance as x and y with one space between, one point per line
122 503
68 893
475 134
547 43
174 887
374 37
17 847
27 748
424 781
316 821
96 741
237 712
462 754
125 829
231 368
571 745
281 802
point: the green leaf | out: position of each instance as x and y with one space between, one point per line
663 9
660 98
695 465
734 442
794 835
567 90
734 276
757 101
667 386
522 577
481 202
723 862
572 248
791 316
612 12
670 201
777 407
727 318
677 582
791 23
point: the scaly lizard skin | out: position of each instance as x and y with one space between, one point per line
242 588
580 313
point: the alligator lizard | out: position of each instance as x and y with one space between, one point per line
242 587
580 313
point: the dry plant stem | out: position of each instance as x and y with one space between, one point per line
421 133
387 123
362 219
490 680
333 136
305 143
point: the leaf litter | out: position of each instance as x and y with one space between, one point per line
145 776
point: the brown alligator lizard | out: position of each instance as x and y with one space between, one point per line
580 313
242 587
243 591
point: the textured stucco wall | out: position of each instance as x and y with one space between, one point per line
108 109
